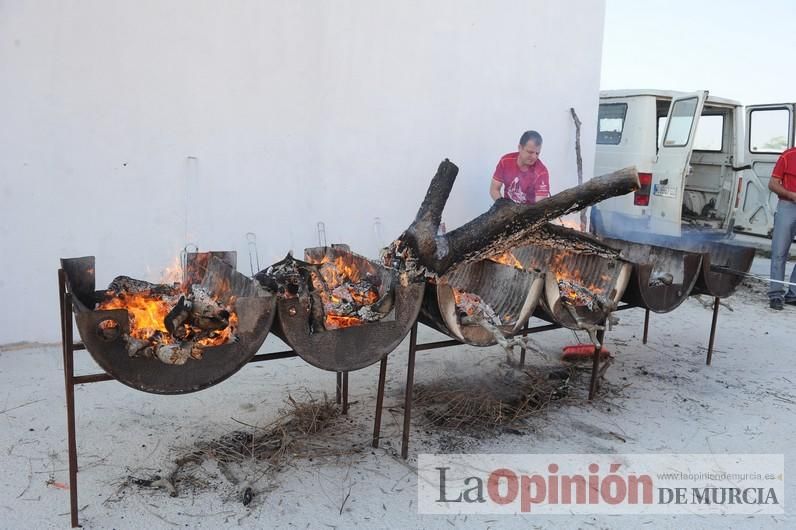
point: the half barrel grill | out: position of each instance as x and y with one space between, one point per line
720 274
106 333
717 256
581 290
334 340
662 277
509 294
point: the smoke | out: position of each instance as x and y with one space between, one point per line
641 230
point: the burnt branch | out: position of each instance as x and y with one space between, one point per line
504 226
421 235
579 161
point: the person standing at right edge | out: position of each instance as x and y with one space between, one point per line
783 183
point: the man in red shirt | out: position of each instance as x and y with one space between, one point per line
783 183
523 177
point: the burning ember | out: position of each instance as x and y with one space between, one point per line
472 309
347 292
344 289
507 258
576 290
169 322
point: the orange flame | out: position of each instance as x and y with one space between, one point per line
338 321
222 336
146 311
507 258
563 273
338 273
568 223
172 273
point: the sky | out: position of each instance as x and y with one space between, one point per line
737 50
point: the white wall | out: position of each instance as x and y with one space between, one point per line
132 128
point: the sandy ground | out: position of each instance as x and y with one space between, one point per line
657 398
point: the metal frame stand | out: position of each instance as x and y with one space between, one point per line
711 339
414 347
71 380
646 325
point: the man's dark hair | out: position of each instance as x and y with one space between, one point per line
531 135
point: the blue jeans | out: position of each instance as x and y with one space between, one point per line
784 232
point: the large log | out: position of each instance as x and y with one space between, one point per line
504 226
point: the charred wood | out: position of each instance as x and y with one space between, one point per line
504 226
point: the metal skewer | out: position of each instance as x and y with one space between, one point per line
721 268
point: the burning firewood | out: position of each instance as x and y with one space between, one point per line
575 294
473 310
506 225
343 291
170 323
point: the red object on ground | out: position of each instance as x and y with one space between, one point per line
582 352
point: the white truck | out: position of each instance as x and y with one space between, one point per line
701 164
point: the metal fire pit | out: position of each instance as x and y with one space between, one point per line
512 293
733 257
254 307
355 347
714 254
609 275
652 263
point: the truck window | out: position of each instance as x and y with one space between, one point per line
709 133
678 130
610 123
768 130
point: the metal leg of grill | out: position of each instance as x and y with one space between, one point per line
522 350
646 325
410 381
379 401
339 388
69 386
595 367
345 392
713 330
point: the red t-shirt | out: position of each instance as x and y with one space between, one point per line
522 186
785 169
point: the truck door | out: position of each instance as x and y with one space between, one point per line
769 131
671 165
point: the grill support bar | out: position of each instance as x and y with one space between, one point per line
711 339
712 330
71 380
414 347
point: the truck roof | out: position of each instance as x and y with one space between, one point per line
626 93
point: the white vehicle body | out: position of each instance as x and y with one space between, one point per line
699 165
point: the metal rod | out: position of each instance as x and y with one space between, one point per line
410 381
646 325
379 401
273 356
595 366
91 378
712 330
539 329
69 387
339 392
345 392
435 345
727 270
522 349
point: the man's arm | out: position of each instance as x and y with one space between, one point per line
775 185
494 189
542 187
